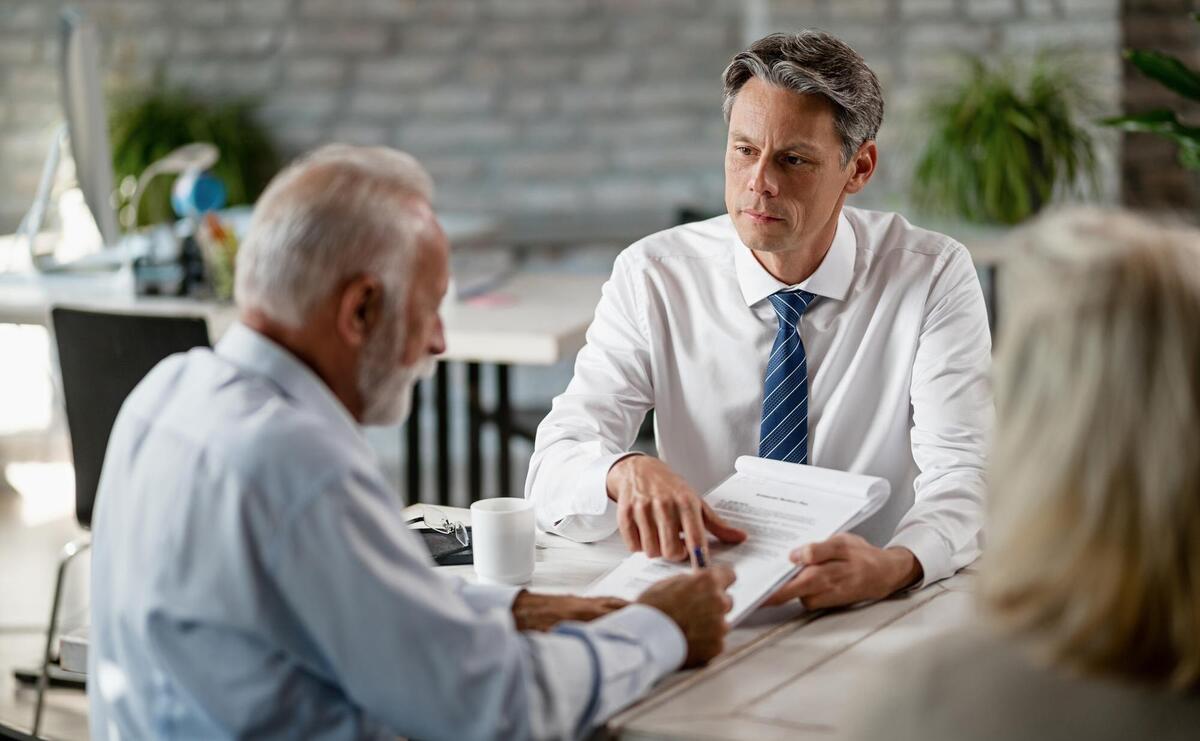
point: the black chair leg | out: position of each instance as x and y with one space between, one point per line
69 553
474 433
503 417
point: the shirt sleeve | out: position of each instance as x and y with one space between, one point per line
430 659
484 597
594 422
952 415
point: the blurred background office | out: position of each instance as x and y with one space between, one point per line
559 131
584 124
536 107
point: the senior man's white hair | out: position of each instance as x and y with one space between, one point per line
337 212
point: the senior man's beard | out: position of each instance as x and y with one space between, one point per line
386 389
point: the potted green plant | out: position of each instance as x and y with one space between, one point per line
146 125
1179 78
1005 141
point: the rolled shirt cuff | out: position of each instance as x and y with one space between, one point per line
659 634
588 514
931 550
486 597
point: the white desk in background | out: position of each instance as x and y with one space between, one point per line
26 296
784 674
528 318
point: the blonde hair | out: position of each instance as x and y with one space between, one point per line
1094 527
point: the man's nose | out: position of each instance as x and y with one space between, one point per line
762 180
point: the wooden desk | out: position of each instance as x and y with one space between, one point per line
785 674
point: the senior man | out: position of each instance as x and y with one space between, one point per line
794 328
252 573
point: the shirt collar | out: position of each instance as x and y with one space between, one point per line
831 279
257 354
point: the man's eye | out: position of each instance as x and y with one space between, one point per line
793 160
743 150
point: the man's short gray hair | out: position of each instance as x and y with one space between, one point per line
338 212
815 63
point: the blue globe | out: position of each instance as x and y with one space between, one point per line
196 192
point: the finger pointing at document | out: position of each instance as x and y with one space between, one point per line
655 505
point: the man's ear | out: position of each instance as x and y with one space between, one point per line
862 166
359 309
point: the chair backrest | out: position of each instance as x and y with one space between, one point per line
102 357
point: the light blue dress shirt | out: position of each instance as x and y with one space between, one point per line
252 577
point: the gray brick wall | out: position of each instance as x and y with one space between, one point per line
520 106
916 47
514 105
1153 177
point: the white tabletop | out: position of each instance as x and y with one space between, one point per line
785 674
527 319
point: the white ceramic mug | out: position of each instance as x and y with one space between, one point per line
503 540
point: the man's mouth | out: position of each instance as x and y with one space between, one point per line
760 217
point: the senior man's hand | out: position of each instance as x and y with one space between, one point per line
655 504
846 569
697 603
543 611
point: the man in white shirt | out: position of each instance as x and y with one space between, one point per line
252 573
793 328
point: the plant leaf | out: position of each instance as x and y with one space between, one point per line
1189 155
1167 70
1165 123
1140 121
1155 122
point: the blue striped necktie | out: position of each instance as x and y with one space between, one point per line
783 434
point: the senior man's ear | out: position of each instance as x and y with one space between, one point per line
359 309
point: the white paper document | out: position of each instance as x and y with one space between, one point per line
780 506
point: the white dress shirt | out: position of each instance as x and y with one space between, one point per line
253 577
898 351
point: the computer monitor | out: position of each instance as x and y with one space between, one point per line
87 123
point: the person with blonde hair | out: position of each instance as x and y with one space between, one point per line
1089 584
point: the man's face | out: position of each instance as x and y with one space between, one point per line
403 350
783 167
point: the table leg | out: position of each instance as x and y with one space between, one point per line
993 296
504 428
443 433
474 435
412 462
995 299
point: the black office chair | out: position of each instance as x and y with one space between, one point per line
101 358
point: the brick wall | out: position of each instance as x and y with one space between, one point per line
1153 177
916 47
521 106
514 105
